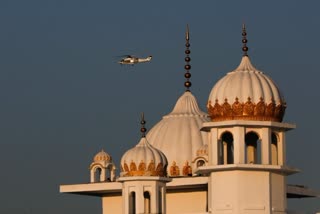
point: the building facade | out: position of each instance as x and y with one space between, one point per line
229 160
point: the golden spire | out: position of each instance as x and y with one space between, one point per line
244 41
187 59
143 129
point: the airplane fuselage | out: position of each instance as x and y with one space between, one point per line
134 60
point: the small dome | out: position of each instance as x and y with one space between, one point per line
246 94
178 134
144 160
102 156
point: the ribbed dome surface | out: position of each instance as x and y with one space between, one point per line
246 93
102 156
187 105
143 160
178 134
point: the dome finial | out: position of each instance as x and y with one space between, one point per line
143 122
187 59
244 41
187 33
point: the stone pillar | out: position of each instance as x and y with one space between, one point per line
214 147
265 145
239 145
282 149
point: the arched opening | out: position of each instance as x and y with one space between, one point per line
97 174
253 148
147 202
108 173
200 163
274 149
132 203
226 149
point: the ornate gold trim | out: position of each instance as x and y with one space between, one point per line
187 170
142 169
202 152
260 111
174 169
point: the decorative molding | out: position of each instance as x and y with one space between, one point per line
96 165
187 170
203 151
174 169
143 170
260 111
200 158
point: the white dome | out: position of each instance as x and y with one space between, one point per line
246 93
102 156
143 160
178 134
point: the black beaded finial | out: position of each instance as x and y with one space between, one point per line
187 59
244 41
143 122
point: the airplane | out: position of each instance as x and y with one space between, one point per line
131 60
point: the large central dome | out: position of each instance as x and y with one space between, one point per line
178 134
246 94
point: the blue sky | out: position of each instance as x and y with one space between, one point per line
64 97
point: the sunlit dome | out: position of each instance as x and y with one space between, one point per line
178 134
246 94
143 160
102 156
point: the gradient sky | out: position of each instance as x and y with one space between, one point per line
64 97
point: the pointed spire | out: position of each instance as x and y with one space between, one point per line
244 41
187 59
187 33
143 129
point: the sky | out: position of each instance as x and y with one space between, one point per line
64 97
